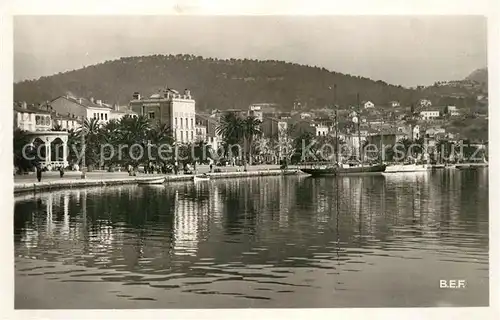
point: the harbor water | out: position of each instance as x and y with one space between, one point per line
273 242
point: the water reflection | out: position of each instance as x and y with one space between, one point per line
263 232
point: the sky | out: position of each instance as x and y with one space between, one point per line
401 50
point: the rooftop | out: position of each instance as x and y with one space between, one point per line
86 102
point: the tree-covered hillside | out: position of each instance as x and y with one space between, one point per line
216 83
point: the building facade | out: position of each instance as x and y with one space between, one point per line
82 108
429 114
32 119
368 105
172 108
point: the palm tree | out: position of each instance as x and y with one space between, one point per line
159 135
134 130
230 128
89 133
251 130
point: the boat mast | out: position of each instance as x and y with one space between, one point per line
382 152
359 129
336 124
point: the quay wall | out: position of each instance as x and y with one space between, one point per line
82 183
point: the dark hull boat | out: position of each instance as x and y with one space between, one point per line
340 171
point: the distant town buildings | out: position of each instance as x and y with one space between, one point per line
395 104
452 111
429 114
368 105
425 103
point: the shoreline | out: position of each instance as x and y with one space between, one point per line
21 187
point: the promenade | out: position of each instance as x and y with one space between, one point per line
72 179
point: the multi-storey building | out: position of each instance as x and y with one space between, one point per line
82 108
172 108
31 118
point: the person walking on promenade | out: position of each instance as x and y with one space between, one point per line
211 163
39 173
176 167
61 171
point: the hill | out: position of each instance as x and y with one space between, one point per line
216 83
479 75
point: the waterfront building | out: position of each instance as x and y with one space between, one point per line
274 128
119 112
313 127
38 126
210 127
66 123
31 118
200 132
172 108
82 108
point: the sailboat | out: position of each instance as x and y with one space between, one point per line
339 168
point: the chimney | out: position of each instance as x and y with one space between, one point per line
115 107
99 102
24 105
92 99
80 100
187 93
136 96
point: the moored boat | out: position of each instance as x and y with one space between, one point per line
152 182
438 166
203 177
396 168
337 170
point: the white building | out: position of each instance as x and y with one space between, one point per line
66 123
452 111
317 129
81 108
368 105
256 111
200 132
32 119
119 112
425 103
429 114
395 104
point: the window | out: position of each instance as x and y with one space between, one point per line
192 135
105 116
192 125
182 135
102 116
187 123
151 115
176 121
181 124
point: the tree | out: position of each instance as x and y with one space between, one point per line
133 132
303 140
251 130
90 135
21 141
159 135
